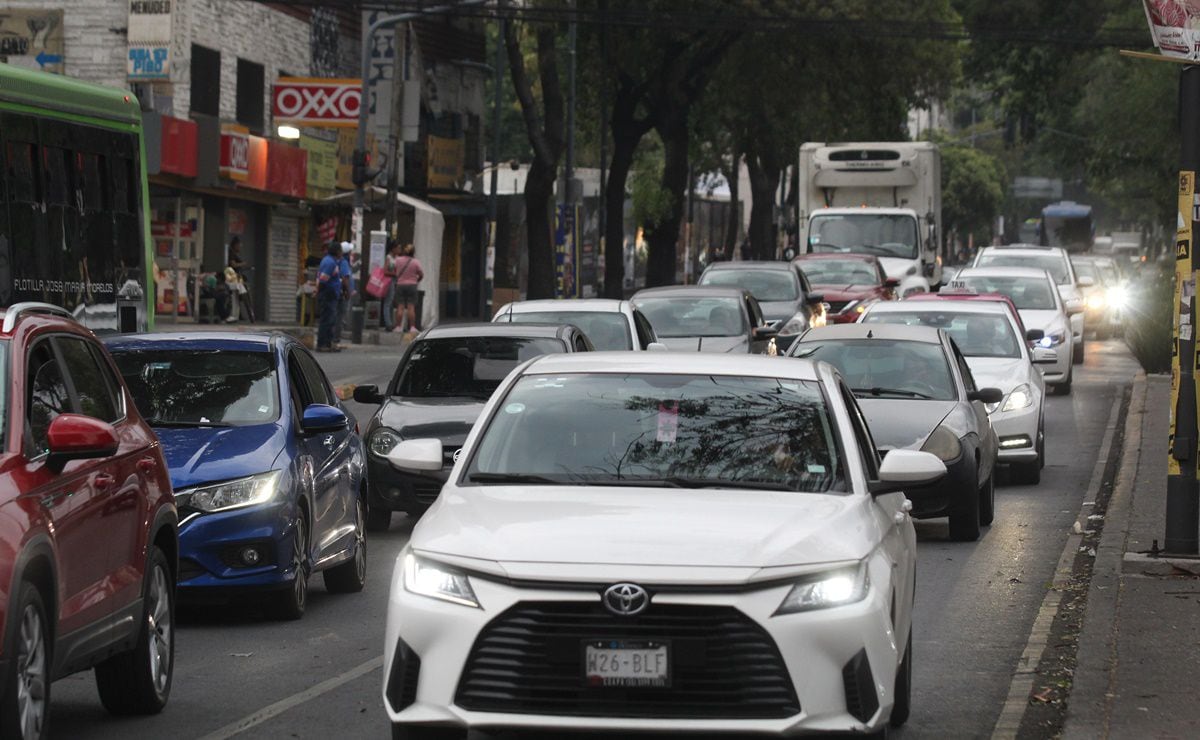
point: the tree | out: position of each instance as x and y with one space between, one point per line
972 190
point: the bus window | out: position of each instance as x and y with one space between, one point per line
119 181
58 184
88 175
19 172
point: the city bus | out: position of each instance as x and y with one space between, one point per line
74 229
1068 225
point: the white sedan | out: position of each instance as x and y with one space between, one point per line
997 356
659 542
610 324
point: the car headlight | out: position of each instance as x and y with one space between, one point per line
824 590
1020 398
1118 296
1095 300
794 325
943 443
1052 340
232 494
437 581
382 441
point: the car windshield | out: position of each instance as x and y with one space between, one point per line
885 368
608 330
1036 294
694 316
466 366
765 285
877 234
1087 269
839 272
660 430
1051 263
976 334
1110 273
201 387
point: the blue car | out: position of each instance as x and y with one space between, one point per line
267 465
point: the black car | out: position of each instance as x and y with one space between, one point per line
692 318
789 303
917 393
440 387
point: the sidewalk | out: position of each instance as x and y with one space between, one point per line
1138 671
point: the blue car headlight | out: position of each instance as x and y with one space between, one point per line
231 494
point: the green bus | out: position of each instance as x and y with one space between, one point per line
74 227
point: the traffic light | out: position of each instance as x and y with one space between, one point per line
362 174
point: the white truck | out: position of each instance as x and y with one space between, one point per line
877 198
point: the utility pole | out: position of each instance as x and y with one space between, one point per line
601 250
497 94
1183 505
568 198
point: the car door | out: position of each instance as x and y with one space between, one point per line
333 494
72 503
988 444
754 318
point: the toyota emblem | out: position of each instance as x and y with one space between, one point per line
626 599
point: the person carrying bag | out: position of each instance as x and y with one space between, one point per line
408 275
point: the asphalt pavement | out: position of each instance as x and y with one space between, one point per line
240 674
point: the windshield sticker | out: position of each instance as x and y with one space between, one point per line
514 408
263 409
549 383
668 421
816 469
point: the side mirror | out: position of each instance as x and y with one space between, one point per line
368 394
1031 335
1085 282
892 283
903 469
657 347
1073 306
765 332
77 437
987 395
320 417
1044 356
417 455
814 299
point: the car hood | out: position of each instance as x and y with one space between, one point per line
839 293
779 310
706 344
903 424
197 455
447 419
998 372
516 526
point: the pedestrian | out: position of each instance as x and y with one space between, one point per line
329 293
346 272
408 275
394 249
235 277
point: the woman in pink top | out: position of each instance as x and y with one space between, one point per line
408 274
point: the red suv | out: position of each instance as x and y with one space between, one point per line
88 550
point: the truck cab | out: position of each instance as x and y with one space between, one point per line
890 234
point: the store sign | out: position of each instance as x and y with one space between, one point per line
32 39
1175 26
235 152
318 102
446 158
322 165
149 36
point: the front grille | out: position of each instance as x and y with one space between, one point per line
426 493
530 660
837 306
189 569
402 680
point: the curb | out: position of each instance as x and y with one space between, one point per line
1090 700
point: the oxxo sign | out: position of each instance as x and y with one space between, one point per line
317 102
235 153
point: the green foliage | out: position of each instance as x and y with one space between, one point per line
651 201
1150 320
972 190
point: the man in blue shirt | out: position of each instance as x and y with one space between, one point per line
347 294
329 293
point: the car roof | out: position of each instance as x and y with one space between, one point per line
837 256
1029 272
750 265
690 291
897 332
214 340
672 363
607 305
504 329
926 306
1028 248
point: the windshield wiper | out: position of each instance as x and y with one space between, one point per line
888 392
185 424
513 478
685 482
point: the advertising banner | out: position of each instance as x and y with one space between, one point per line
149 40
1175 26
235 152
317 101
566 252
445 162
32 38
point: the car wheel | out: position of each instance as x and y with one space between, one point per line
1077 357
987 501
416 732
290 602
1064 388
351 576
139 681
379 519
964 518
26 701
903 704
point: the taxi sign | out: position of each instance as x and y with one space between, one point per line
957 286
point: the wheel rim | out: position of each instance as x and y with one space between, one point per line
299 564
360 543
31 673
160 630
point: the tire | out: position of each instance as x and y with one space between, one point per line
1077 356
25 704
379 519
351 576
1064 388
139 681
964 517
290 602
987 501
417 732
903 704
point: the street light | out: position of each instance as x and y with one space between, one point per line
288 132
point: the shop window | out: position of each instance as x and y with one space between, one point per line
250 95
206 81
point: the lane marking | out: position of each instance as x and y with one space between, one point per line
1026 671
281 706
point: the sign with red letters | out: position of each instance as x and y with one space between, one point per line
317 102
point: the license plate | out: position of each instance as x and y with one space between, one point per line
626 663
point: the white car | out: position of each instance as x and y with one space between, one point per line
987 334
1040 306
659 542
1055 261
612 325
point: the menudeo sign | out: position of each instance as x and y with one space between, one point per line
317 102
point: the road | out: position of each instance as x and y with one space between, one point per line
240 674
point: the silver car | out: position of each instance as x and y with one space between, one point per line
612 325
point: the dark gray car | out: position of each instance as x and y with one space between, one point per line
917 393
439 389
788 301
691 318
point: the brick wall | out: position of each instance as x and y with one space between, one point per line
93 34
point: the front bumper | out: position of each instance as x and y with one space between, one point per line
939 499
210 547
1060 371
428 645
1014 425
393 490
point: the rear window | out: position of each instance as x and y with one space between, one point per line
976 334
608 330
201 388
466 366
765 285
